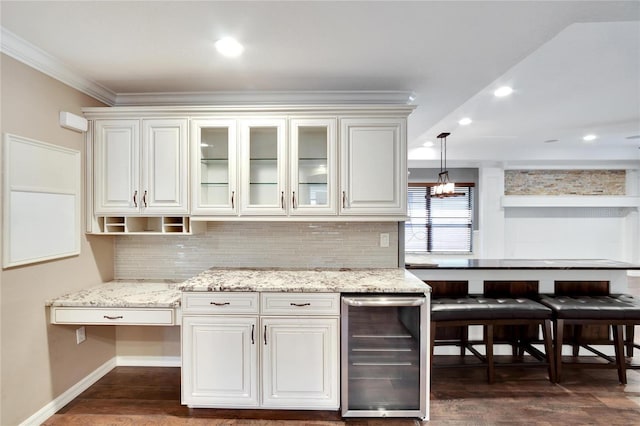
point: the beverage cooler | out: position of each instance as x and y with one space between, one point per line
385 349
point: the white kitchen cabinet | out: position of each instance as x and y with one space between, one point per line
141 167
219 361
373 166
300 366
263 167
214 167
277 351
313 166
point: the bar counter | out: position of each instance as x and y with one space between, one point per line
545 271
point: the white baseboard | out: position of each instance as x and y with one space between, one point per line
66 397
148 361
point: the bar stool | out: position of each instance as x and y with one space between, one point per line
613 311
490 312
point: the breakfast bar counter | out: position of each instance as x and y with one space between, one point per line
545 271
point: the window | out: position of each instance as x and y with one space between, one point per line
439 225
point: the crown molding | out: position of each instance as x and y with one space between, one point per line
329 97
33 56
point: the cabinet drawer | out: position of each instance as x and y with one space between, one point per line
107 316
300 304
219 303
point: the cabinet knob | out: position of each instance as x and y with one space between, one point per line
293 200
344 199
300 304
135 196
113 318
233 199
144 198
282 199
219 303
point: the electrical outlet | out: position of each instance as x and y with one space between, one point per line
384 240
81 335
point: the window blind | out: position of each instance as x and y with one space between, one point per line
439 225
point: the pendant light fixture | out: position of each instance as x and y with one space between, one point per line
444 187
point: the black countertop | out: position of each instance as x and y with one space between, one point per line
414 262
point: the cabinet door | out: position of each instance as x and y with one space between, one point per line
214 167
117 166
300 363
219 361
313 167
164 166
373 166
262 169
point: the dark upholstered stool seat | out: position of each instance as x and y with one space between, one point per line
594 307
489 312
615 311
480 308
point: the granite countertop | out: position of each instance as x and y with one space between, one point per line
424 262
124 294
307 280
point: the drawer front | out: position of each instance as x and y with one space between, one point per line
219 303
300 304
107 316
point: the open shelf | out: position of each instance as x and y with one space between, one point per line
570 201
147 225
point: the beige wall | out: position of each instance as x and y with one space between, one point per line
40 361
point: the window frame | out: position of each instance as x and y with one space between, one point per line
429 218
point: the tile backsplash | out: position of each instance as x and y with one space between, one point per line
257 244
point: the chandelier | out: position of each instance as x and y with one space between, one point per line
444 187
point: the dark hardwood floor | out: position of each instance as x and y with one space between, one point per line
520 396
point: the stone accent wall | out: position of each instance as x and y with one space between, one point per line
564 182
257 244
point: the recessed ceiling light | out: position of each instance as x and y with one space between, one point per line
503 91
589 138
428 143
229 47
465 121
551 140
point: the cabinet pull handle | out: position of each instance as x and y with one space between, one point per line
113 318
144 198
253 328
135 201
300 304
233 201
219 303
344 199
282 199
265 335
293 200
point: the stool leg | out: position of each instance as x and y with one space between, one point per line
619 350
488 341
464 340
577 334
629 339
558 336
548 349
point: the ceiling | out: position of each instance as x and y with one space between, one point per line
574 66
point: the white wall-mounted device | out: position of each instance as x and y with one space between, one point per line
73 122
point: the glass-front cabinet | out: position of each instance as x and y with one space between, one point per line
214 163
313 166
262 170
263 167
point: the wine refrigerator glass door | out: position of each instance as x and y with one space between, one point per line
384 356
